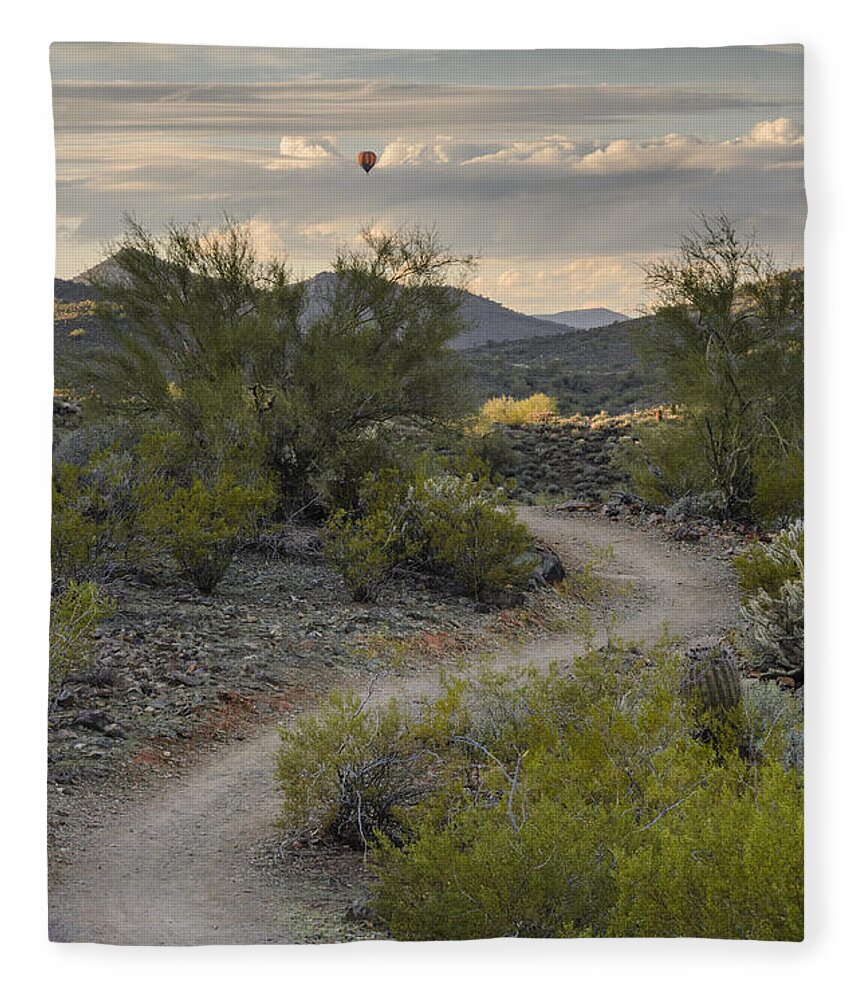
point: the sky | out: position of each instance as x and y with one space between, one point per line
564 171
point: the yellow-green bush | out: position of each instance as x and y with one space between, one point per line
353 770
768 566
457 527
726 863
75 614
666 461
201 525
571 804
363 550
604 816
516 412
778 486
93 515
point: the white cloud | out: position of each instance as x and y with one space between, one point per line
779 132
672 152
419 152
301 151
551 150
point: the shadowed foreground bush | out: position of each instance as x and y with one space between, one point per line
568 805
456 527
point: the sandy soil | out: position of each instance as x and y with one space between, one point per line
187 864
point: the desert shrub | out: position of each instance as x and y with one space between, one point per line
767 566
495 450
726 863
605 795
197 507
352 771
75 614
771 722
516 412
465 533
341 473
666 462
201 525
363 549
778 486
94 515
567 804
455 526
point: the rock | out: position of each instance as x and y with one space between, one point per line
93 719
500 599
189 680
686 533
548 571
696 505
574 505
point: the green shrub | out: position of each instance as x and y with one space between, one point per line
727 863
454 526
352 771
666 462
466 535
363 550
598 814
495 450
566 804
778 486
200 526
75 614
767 566
771 722
94 525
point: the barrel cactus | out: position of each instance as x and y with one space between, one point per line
712 674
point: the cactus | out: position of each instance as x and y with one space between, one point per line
712 674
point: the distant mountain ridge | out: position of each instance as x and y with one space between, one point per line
584 319
486 321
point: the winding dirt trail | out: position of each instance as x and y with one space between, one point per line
180 868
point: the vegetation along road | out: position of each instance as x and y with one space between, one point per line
188 865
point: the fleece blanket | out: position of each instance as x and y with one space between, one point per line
427 525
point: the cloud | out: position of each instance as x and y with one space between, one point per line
779 132
663 153
359 106
300 151
585 282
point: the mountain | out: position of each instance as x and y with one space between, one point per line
487 322
490 321
584 319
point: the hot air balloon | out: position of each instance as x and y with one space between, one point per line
366 160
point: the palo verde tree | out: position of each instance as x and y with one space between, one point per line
249 365
728 337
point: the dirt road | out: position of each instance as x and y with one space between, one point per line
181 866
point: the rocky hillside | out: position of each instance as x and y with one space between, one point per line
585 370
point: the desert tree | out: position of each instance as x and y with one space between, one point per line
245 361
728 337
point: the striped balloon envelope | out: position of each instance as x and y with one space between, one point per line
366 160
